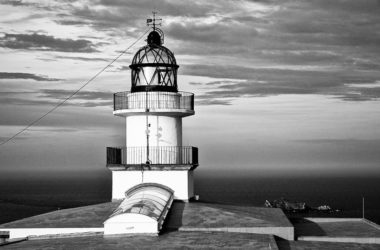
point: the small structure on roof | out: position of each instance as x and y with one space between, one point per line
142 211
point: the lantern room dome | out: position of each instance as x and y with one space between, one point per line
154 54
154 67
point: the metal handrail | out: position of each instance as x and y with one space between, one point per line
158 155
153 100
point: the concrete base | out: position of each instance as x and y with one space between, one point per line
182 182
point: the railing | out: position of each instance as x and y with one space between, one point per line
153 100
165 155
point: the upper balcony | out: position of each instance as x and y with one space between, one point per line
162 103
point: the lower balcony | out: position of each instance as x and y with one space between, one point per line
152 158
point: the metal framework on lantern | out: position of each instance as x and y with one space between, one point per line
154 68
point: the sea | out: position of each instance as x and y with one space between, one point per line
30 194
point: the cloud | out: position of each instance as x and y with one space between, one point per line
81 58
18 75
165 7
210 100
123 68
13 2
215 33
256 82
195 83
105 14
55 96
45 42
264 47
82 95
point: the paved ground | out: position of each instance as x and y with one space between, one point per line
210 215
88 216
169 240
314 245
304 227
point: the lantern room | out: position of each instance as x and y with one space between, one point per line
154 67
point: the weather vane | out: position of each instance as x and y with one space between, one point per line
153 21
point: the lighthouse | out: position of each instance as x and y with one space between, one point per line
153 110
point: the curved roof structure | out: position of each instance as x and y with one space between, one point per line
144 203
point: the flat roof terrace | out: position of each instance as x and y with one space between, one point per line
87 216
194 216
337 230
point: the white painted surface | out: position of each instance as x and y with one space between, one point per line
129 223
163 131
180 181
25 232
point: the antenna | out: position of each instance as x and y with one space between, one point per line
154 21
363 206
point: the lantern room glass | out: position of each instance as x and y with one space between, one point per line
154 68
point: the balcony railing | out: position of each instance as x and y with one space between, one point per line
161 155
153 100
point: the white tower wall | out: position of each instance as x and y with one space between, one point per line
164 131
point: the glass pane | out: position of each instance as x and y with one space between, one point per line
149 200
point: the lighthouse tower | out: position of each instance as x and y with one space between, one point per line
153 110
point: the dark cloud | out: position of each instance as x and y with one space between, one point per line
123 68
208 100
44 42
81 58
12 2
54 96
217 33
361 94
82 95
256 82
195 83
330 23
18 75
72 22
113 16
165 7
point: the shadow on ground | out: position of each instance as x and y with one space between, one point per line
174 218
304 227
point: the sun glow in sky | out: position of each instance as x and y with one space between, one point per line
281 86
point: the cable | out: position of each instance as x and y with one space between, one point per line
74 93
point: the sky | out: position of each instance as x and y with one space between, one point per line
281 87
